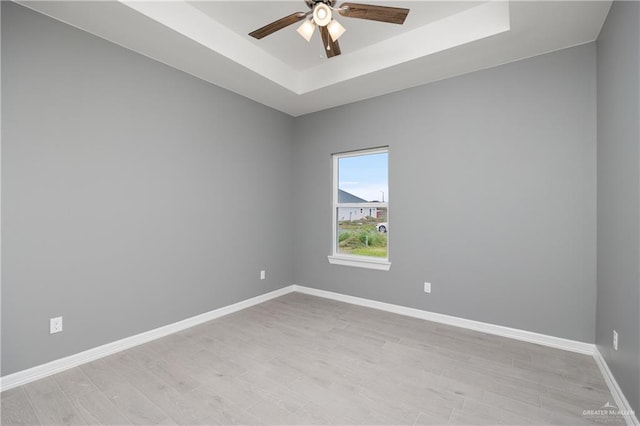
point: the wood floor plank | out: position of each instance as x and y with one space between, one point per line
221 409
96 408
475 412
271 391
51 405
536 414
312 414
178 405
16 409
74 382
86 398
131 402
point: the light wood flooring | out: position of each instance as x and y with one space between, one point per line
300 359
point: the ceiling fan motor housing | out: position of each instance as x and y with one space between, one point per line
313 3
322 14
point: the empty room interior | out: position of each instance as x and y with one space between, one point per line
217 212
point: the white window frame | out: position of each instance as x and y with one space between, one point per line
335 258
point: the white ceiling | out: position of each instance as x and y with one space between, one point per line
440 39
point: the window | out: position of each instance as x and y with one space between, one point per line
361 209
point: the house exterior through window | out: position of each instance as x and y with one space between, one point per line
361 209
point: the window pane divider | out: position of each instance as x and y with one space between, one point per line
362 205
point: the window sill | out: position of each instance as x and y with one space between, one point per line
360 262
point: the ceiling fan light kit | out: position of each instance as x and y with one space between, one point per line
335 29
330 29
306 29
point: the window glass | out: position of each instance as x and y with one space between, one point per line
361 198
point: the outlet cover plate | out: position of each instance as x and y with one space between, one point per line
55 325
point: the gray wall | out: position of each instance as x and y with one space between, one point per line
133 195
492 194
618 305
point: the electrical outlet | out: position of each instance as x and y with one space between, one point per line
615 340
55 325
427 287
263 275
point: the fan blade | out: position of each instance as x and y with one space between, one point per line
392 15
278 25
333 46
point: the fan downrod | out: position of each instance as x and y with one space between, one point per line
312 3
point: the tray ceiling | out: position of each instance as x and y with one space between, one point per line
440 39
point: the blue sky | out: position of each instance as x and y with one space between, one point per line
365 176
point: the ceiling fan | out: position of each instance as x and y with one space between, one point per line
330 30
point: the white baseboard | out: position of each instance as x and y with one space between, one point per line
616 392
25 376
513 333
